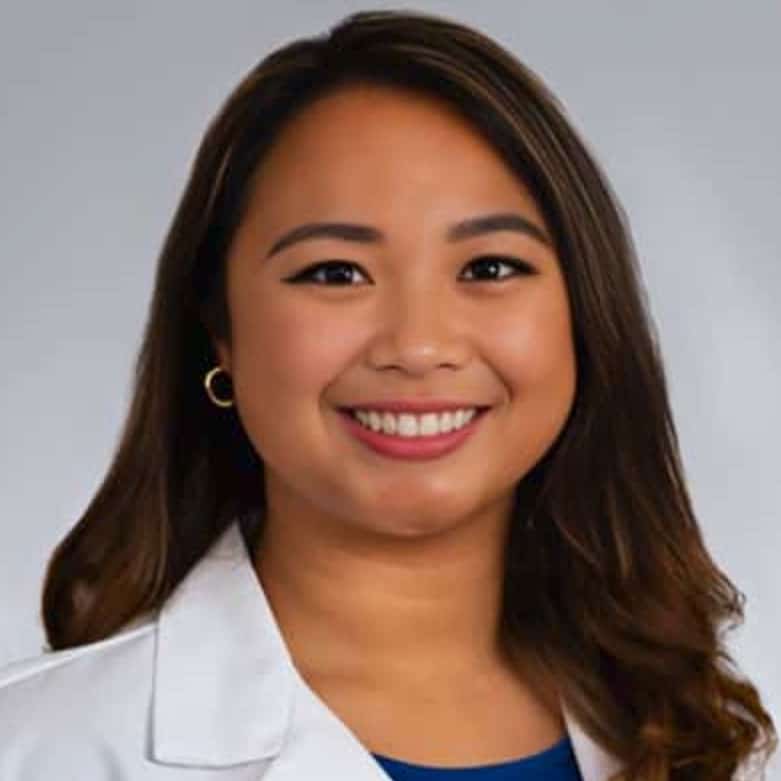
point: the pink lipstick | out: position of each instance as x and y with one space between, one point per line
411 448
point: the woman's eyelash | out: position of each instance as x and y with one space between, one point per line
486 261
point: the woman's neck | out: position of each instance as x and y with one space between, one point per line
408 611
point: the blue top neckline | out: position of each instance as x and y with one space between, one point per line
558 753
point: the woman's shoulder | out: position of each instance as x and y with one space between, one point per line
68 665
54 706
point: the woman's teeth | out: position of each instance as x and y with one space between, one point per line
408 425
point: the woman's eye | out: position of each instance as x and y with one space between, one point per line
338 272
491 264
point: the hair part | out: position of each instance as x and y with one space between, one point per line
611 596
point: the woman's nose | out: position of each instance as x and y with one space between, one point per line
418 332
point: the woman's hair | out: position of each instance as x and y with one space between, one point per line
610 590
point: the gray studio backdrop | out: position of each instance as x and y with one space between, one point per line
102 104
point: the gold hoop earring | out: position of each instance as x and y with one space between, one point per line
207 383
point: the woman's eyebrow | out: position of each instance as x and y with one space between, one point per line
464 229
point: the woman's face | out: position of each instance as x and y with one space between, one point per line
414 314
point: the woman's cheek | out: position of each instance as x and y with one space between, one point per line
297 354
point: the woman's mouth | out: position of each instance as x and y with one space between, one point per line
414 437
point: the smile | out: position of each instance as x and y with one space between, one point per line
415 437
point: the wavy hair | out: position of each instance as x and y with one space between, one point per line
611 588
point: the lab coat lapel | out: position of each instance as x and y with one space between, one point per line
594 762
223 678
227 691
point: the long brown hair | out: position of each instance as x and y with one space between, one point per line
610 587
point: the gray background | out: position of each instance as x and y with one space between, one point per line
102 105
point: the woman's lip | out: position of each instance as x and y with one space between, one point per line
414 407
411 448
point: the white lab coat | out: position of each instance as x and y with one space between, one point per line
202 689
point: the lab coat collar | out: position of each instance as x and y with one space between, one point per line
225 683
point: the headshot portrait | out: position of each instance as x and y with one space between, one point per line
386 399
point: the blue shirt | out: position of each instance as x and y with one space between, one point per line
556 763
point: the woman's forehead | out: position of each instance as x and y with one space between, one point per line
368 147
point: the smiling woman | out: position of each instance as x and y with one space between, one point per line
399 493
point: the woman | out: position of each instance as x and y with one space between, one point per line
399 493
